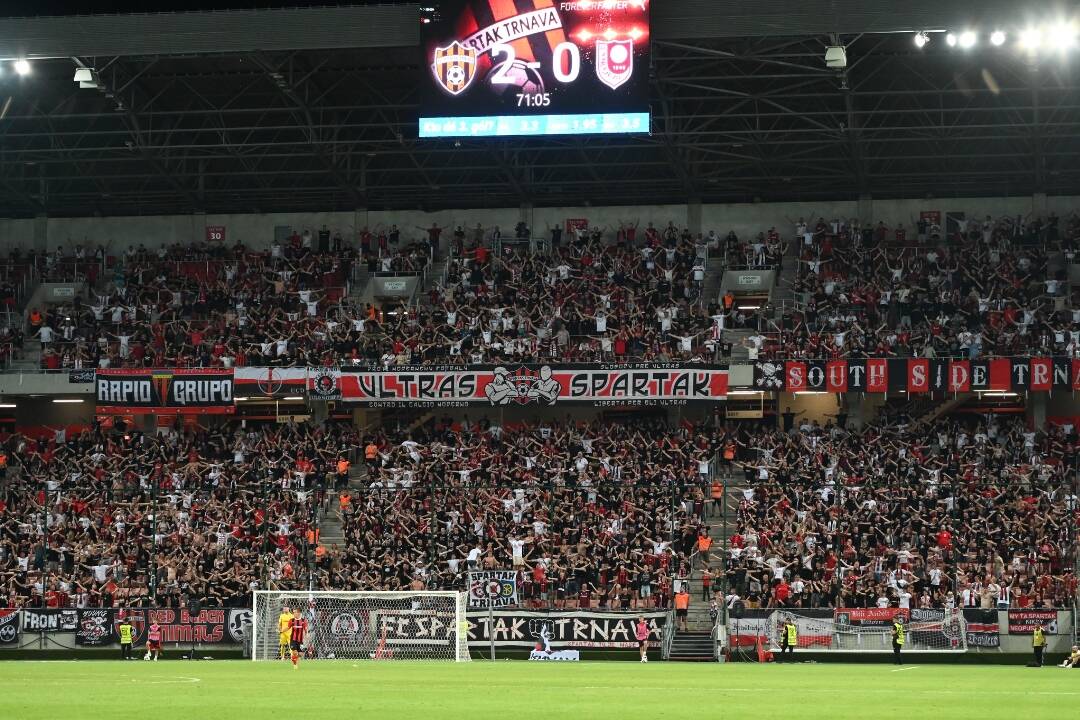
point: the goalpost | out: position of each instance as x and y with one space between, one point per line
366 625
937 631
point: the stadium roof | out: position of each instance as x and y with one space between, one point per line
315 109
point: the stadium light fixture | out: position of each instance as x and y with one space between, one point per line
22 66
997 38
950 40
1031 39
968 38
921 39
7 405
293 397
1062 36
67 400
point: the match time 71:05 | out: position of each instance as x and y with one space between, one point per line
533 99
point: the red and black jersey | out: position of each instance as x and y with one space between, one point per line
297 628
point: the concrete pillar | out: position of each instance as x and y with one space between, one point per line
693 216
1039 205
525 215
197 229
41 232
1037 410
359 222
866 209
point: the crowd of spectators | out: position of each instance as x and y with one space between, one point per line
961 513
186 306
202 305
600 514
223 510
986 288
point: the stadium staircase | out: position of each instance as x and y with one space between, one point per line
714 274
942 407
692 647
330 532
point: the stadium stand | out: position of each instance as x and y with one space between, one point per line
82 520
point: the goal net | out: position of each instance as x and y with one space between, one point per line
846 631
366 625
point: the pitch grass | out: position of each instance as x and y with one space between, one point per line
505 690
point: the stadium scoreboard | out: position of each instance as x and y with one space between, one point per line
535 67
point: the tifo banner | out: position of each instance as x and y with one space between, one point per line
868 617
94 627
80 376
526 630
651 384
274 382
9 626
49 620
935 628
919 375
177 625
492 588
324 383
982 628
1023 622
201 391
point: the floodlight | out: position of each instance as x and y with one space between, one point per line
921 38
997 38
1031 39
1062 36
950 40
968 39
22 67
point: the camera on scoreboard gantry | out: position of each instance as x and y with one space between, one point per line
523 79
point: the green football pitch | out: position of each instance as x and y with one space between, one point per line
236 690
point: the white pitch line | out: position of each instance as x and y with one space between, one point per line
909 667
178 680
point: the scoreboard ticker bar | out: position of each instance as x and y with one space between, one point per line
509 125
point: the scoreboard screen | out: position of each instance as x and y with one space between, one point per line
535 67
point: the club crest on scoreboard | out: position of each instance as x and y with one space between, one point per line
454 67
614 61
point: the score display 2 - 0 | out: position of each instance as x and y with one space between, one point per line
536 67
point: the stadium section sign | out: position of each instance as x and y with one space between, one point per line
535 67
493 588
200 391
918 375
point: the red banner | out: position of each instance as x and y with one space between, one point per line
918 375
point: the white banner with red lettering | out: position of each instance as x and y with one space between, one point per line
498 385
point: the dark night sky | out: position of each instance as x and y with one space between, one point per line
29 8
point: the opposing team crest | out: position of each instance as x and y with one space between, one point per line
614 61
455 67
